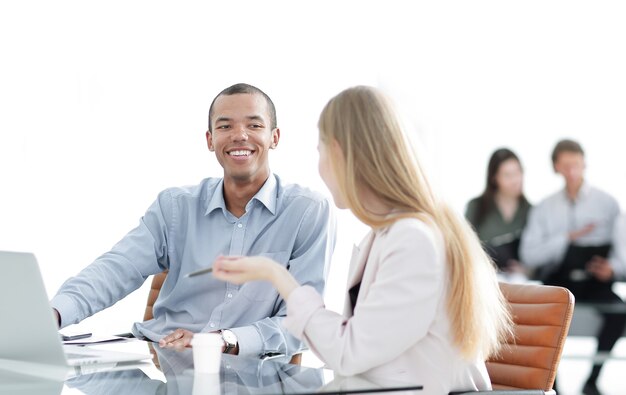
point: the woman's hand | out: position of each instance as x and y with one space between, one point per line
239 270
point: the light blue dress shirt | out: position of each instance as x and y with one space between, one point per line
546 237
184 230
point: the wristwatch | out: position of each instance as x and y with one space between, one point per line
230 340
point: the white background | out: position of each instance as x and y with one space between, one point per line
104 104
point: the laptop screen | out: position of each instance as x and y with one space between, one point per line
28 332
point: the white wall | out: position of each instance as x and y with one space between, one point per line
104 104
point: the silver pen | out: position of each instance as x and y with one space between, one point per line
199 272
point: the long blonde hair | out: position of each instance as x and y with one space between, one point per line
377 157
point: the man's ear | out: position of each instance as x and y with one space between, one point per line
275 138
209 141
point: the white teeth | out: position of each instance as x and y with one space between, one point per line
240 153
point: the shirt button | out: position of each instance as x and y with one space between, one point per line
229 295
239 225
212 325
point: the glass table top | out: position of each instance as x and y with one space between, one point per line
171 372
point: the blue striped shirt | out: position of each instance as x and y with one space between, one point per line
184 230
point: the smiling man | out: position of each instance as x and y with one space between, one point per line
249 211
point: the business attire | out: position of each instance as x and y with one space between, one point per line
545 247
184 230
499 237
545 240
399 326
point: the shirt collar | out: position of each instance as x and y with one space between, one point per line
585 189
583 192
217 199
266 195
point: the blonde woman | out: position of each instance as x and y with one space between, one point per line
423 305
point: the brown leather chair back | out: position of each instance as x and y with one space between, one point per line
155 288
542 316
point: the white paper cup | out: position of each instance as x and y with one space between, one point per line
207 352
204 384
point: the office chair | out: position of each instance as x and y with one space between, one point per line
155 288
527 364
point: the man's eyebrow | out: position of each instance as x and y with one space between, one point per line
249 117
222 119
255 118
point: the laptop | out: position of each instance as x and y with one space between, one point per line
20 384
29 333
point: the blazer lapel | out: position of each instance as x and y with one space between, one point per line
359 258
357 266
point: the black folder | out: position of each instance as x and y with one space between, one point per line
577 257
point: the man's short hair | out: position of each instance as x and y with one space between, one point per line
566 146
247 89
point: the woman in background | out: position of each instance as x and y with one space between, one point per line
500 213
423 306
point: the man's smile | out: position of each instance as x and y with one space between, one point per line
240 152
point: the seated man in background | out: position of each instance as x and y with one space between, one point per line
249 211
564 234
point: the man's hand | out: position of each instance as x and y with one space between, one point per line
178 339
181 338
57 316
577 234
600 268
